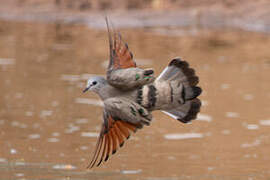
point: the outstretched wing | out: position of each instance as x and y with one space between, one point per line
122 71
113 134
121 117
120 55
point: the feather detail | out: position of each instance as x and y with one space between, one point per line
119 136
98 148
114 140
129 126
112 136
108 147
104 149
120 56
122 129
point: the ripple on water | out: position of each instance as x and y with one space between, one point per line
226 132
20 163
75 78
265 122
257 142
53 139
34 136
87 76
94 102
171 157
204 103
69 77
252 126
64 166
13 151
82 121
250 156
18 124
19 95
72 129
232 114
89 134
7 61
55 134
3 160
45 113
204 117
19 174
248 97
183 136
131 171
225 86
83 148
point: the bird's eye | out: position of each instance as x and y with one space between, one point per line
94 83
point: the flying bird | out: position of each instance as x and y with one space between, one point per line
130 94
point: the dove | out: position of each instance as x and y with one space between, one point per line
130 94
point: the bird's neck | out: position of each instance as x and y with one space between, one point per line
107 91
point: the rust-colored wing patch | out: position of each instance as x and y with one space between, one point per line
112 136
120 55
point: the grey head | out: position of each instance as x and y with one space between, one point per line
95 84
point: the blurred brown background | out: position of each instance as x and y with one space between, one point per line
90 5
48 49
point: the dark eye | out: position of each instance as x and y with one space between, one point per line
94 83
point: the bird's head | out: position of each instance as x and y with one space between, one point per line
95 83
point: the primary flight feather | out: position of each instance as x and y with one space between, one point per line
130 94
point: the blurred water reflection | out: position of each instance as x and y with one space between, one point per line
49 128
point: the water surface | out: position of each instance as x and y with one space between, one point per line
49 128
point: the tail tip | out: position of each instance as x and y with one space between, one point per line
178 63
192 92
194 110
197 91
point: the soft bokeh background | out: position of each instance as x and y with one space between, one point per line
48 49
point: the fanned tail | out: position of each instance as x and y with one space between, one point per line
182 81
186 112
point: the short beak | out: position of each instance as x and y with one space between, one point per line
86 89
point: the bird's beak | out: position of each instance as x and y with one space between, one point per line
86 89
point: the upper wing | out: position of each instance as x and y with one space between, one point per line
120 56
122 71
113 134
